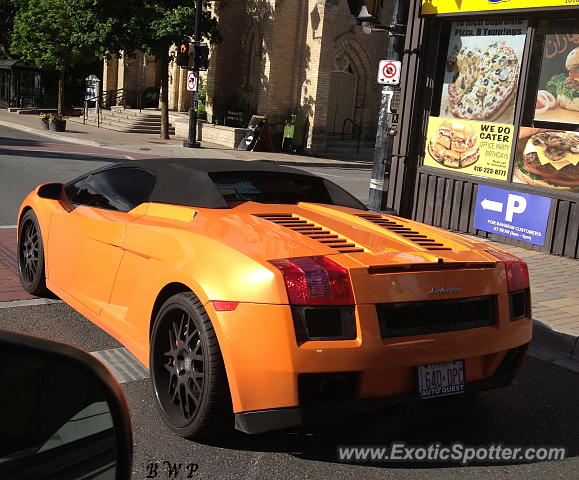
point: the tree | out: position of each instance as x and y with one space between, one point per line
58 34
7 12
162 23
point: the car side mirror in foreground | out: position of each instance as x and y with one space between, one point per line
62 414
51 191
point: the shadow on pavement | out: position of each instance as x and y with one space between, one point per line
540 409
86 157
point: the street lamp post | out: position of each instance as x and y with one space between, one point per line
191 141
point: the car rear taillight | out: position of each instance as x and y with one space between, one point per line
517 270
315 281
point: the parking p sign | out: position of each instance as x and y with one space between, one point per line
517 215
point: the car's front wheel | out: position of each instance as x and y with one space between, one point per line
187 370
31 268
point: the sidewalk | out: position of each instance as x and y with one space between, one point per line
147 144
554 280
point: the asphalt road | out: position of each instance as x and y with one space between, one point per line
541 408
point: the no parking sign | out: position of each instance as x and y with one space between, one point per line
191 81
389 72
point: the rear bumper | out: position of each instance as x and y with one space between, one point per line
266 365
262 421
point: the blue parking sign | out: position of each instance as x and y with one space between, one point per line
517 215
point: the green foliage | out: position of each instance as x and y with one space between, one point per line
7 12
151 97
58 34
164 22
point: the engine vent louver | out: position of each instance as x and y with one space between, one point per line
406 232
314 231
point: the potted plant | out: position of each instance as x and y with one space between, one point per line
44 120
57 122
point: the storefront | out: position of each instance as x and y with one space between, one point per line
488 124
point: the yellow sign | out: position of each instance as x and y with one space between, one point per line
475 148
433 7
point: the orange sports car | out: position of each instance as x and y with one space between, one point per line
264 297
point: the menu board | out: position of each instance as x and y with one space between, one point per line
548 158
476 148
558 92
482 70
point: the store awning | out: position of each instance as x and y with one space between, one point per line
14 64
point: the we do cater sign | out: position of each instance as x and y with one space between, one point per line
516 215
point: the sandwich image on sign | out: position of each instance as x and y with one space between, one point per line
454 145
550 159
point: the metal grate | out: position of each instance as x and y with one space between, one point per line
406 232
312 230
435 316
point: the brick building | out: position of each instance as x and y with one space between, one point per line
282 57
278 58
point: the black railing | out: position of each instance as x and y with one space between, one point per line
358 130
105 100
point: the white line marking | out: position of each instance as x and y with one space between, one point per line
8 226
122 364
28 303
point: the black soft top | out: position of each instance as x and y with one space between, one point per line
187 181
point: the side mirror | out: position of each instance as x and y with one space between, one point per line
62 414
51 191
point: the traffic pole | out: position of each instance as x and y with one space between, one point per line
191 141
382 160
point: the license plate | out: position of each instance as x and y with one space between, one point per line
441 379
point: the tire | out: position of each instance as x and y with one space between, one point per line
31 266
186 364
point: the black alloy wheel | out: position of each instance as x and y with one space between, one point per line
31 269
187 371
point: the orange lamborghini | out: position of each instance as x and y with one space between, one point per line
263 297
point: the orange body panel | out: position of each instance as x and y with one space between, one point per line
112 266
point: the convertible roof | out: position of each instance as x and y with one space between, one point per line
186 181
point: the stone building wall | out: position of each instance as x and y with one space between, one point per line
278 58
282 57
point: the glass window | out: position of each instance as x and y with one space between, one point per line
72 189
272 187
547 152
120 189
477 76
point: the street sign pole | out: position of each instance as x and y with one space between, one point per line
192 142
388 112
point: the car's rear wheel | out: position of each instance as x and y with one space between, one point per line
187 370
31 269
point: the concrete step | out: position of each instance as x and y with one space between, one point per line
125 127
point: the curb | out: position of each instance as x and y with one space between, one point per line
555 347
42 133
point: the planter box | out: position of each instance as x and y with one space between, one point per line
58 125
44 123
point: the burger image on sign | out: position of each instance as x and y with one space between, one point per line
558 96
550 159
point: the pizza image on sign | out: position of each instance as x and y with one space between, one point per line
454 145
483 64
485 81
